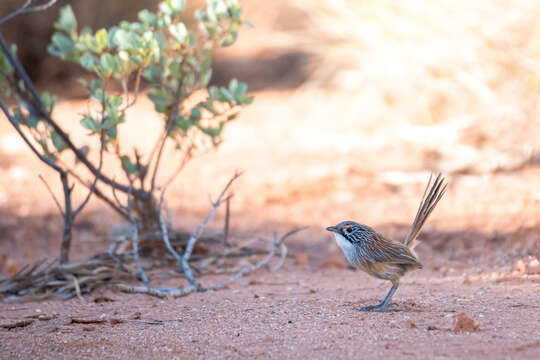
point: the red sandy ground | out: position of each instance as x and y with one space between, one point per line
469 248
317 157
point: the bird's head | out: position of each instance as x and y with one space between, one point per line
350 230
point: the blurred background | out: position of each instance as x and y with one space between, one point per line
356 102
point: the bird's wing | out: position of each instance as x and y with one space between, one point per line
379 249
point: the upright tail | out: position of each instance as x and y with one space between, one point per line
427 205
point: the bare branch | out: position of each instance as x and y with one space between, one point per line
215 205
26 8
276 245
183 163
140 270
68 220
130 103
158 292
26 140
92 187
165 235
227 222
52 195
97 192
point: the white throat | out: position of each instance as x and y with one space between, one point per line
343 243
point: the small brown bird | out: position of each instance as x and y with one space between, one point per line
385 259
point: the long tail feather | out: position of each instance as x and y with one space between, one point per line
428 203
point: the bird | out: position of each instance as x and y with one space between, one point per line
380 257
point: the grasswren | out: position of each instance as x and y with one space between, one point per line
385 259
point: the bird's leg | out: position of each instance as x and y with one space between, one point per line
382 307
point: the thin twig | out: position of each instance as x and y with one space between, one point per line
52 194
165 235
26 140
227 222
68 220
92 188
77 287
195 235
276 245
26 8
98 193
131 102
140 270
183 163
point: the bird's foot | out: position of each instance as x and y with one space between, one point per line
377 308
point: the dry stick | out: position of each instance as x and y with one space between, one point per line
227 222
131 102
165 235
68 220
66 237
26 8
98 193
77 287
92 188
135 237
26 140
69 213
165 292
178 170
140 269
52 194
195 236
171 118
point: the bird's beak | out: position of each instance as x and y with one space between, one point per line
332 229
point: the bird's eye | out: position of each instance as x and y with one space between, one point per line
347 230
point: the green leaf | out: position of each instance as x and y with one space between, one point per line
96 89
114 101
127 165
227 95
206 75
174 69
126 39
195 114
112 33
177 5
67 21
244 99
88 61
229 39
148 17
233 85
184 124
179 32
108 64
241 89
49 101
189 79
152 74
208 107
62 45
213 132
90 123
102 40
111 133
162 100
57 141
31 121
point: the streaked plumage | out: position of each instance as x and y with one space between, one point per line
385 259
